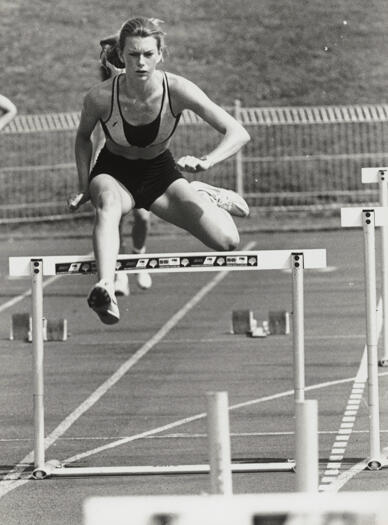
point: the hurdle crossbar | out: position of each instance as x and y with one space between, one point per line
172 262
368 219
380 176
39 266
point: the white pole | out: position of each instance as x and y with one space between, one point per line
384 270
239 154
368 224
297 264
306 437
37 352
219 443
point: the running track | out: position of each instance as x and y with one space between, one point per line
135 393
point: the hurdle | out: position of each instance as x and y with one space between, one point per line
367 508
380 176
39 266
368 219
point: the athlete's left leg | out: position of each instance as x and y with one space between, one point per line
184 207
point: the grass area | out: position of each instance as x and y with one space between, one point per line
265 52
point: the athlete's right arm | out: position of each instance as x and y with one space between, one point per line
84 147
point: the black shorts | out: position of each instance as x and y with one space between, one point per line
146 180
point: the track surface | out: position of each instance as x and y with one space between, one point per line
175 346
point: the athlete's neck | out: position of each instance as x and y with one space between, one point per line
141 89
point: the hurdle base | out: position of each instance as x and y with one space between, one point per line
374 464
383 362
55 469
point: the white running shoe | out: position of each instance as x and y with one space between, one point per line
122 284
102 300
228 200
144 280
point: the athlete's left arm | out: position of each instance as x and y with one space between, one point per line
187 95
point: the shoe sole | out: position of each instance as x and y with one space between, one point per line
99 301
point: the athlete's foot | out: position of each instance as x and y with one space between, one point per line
144 280
102 300
122 284
228 200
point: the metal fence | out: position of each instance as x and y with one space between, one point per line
299 157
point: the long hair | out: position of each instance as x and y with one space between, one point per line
109 53
144 27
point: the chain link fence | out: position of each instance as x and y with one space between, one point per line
298 158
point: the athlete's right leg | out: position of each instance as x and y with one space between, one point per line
111 201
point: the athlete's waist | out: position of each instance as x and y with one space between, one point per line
136 153
107 153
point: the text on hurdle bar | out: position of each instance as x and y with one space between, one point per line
172 262
352 217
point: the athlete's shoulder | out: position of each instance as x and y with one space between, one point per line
177 82
185 94
99 95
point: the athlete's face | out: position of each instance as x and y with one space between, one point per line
141 56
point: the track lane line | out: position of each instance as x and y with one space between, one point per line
333 479
197 417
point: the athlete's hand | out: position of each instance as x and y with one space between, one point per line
76 200
193 164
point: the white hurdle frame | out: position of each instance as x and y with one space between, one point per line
368 219
380 176
37 267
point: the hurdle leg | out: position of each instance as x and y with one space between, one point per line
368 225
37 351
219 443
383 186
297 265
306 455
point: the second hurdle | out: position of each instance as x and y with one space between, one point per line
39 266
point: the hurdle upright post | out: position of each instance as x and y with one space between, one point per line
368 225
306 455
219 443
297 265
38 361
380 176
383 187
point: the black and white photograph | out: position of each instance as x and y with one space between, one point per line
194 262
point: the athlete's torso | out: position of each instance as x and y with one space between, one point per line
140 141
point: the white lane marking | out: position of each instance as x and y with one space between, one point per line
27 293
190 435
196 417
13 483
347 423
116 376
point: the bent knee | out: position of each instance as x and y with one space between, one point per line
228 242
107 200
